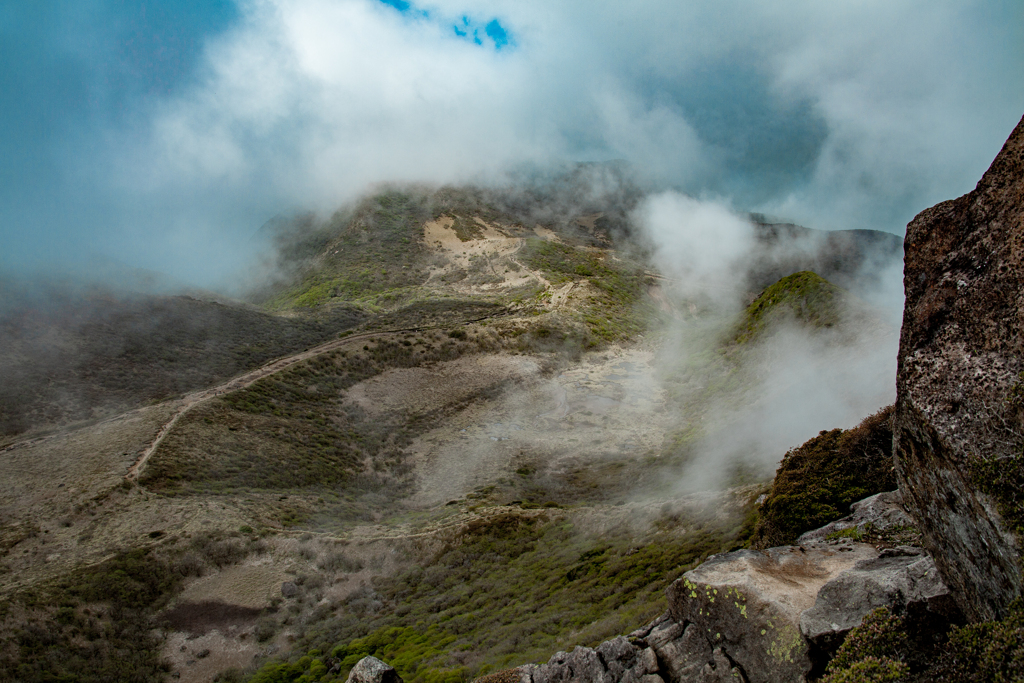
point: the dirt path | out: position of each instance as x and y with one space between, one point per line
242 381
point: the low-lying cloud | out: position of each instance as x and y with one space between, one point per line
794 381
831 115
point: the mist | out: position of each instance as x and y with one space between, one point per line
790 385
164 139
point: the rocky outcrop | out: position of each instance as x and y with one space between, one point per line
880 513
373 670
749 603
776 615
902 579
961 355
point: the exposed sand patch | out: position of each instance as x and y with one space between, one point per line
490 257
546 233
219 651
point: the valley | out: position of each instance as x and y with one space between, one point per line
489 452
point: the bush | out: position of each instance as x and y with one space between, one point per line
881 635
870 670
988 651
819 481
94 626
872 652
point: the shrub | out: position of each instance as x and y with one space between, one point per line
988 651
881 635
817 482
870 670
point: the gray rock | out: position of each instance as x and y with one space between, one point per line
961 354
682 651
373 670
582 665
748 604
289 589
883 511
614 661
720 670
896 580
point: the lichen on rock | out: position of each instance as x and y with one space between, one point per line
961 354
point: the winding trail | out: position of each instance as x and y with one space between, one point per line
193 399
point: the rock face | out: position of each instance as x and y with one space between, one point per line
373 670
961 355
749 603
880 512
898 578
768 616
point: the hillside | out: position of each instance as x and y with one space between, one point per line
456 422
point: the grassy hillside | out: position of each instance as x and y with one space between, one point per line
99 354
481 469
805 298
508 590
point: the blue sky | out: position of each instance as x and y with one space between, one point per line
162 134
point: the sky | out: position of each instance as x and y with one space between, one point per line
162 134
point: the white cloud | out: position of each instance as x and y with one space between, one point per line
304 104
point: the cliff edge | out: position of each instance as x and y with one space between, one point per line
957 430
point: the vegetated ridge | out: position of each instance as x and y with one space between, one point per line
463 468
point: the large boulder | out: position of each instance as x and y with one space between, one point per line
902 579
373 670
753 617
960 360
748 604
613 661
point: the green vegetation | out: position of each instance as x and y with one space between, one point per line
95 625
110 354
466 229
615 310
374 248
292 430
988 651
817 482
508 589
98 623
872 652
888 647
805 296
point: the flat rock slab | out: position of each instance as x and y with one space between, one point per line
897 579
748 604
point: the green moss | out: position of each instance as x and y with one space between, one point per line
804 296
817 482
